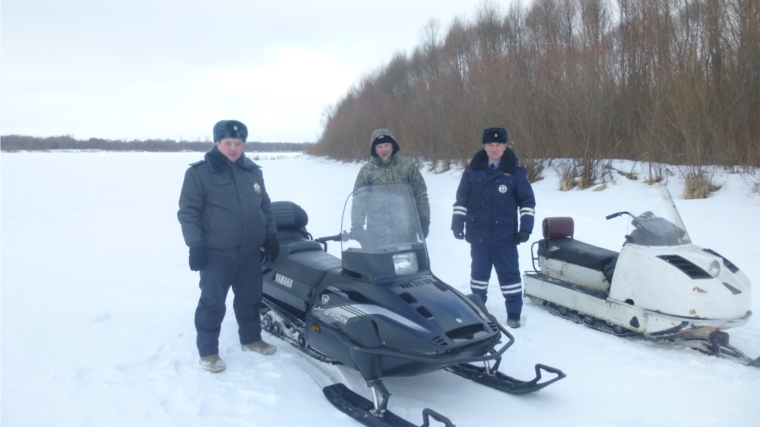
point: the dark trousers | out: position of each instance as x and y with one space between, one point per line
503 258
244 275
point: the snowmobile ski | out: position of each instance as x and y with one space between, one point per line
717 344
499 381
363 411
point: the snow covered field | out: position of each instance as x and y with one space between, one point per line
98 303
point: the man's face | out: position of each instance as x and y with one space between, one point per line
232 148
384 150
495 150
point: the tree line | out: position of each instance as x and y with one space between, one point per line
658 81
31 143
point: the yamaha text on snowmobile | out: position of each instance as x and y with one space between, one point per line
659 285
378 308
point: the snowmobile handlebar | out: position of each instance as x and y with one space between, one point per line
617 214
345 236
335 238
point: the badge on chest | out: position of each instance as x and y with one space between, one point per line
257 188
502 189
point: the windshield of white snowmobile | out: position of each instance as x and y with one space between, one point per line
656 222
381 218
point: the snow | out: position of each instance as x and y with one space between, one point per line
98 303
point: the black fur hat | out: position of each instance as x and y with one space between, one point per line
230 129
494 134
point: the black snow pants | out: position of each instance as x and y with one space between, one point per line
244 275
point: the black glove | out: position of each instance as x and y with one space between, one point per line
522 237
271 249
198 258
459 234
425 224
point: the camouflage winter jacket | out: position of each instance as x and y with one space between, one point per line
398 170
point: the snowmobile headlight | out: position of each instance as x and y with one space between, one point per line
714 269
405 263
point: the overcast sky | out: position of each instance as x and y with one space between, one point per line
170 69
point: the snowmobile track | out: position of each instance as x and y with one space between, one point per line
716 346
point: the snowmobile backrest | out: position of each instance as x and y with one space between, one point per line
288 215
291 222
557 227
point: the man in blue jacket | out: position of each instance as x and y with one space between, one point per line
225 213
494 211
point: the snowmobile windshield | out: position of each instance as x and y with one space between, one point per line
656 220
381 218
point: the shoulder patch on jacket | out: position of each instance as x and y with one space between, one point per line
199 162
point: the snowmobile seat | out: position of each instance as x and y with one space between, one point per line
576 252
307 264
558 243
302 246
291 221
301 258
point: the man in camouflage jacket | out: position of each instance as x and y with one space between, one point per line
387 167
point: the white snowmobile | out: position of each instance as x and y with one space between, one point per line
659 285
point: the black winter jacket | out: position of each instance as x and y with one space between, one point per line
225 206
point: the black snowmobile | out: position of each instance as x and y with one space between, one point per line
380 309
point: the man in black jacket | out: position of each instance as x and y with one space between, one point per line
225 213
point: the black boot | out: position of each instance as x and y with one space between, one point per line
513 320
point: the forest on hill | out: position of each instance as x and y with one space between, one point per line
673 82
66 142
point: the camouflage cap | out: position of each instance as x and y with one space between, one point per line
380 136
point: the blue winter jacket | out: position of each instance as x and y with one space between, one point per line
490 205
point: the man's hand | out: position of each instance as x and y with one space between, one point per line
459 234
425 224
271 249
522 237
198 258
